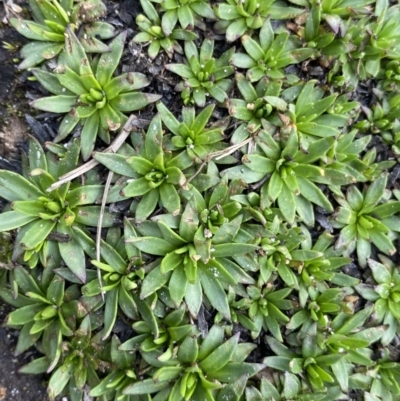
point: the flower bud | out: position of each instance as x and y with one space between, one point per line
49 312
53 207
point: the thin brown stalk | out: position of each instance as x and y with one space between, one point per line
113 148
217 156
100 224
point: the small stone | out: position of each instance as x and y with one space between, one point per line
3 393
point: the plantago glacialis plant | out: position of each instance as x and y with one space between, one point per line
87 91
159 33
39 213
364 220
203 75
51 20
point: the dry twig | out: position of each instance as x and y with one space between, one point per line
100 224
217 156
113 148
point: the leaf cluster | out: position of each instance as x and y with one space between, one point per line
51 18
86 90
245 246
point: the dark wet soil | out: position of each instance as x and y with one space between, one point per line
15 386
13 130
17 119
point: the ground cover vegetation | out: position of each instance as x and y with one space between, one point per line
241 242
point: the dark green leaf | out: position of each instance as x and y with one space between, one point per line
152 245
